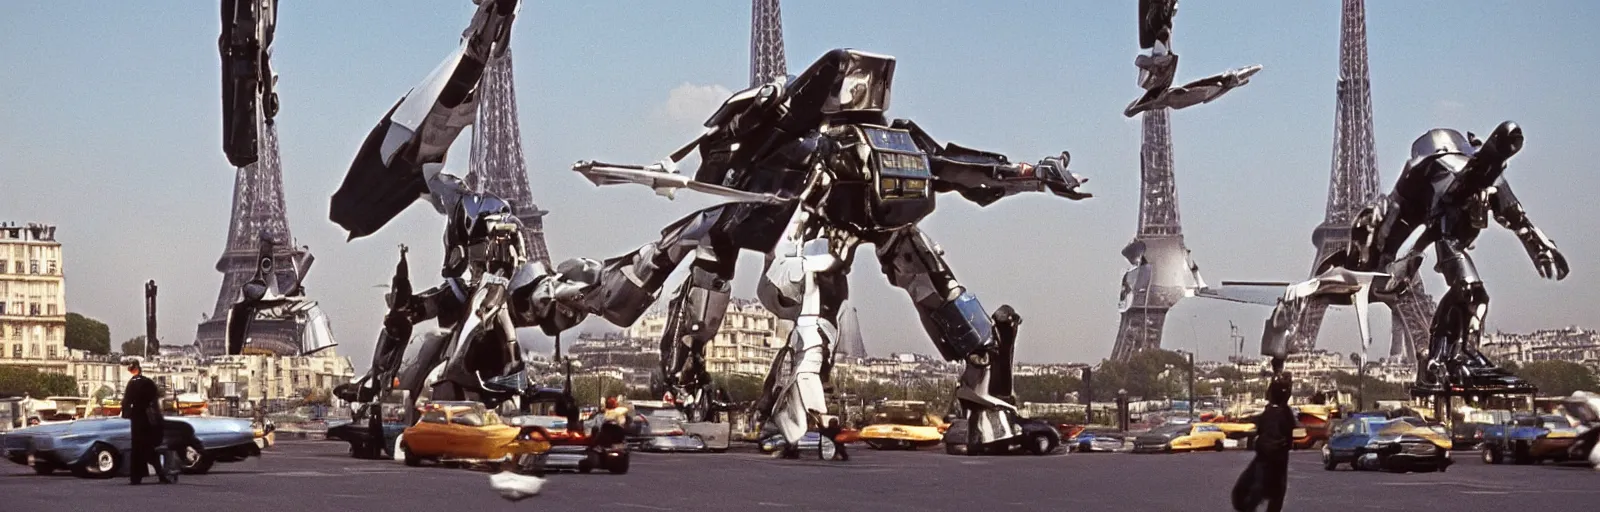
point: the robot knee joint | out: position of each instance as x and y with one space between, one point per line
961 328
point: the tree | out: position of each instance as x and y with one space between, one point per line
103 393
740 388
1558 378
1046 388
87 334
27 381
134 346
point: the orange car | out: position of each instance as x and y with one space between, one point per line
467 432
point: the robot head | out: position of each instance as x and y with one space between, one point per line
862 84
1441 141
482 234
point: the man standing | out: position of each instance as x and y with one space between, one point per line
141 405
1266 479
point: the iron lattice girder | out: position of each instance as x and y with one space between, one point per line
497 163
258 210
766 42
1352 185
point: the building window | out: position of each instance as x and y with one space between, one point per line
33 266
33 350
52 352
51 310
33 309
50 267
16 333
2 309
18 267
16 350
5 266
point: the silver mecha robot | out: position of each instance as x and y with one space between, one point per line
1157 70
247 77
818 170
1448 190
490 288
263 298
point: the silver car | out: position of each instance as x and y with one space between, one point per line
98 447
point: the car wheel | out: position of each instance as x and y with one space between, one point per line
1041 444
194 461
585 467
954 449
1167 448
1492 455
826 450
1250 443
619 465
102 462
410 458
43 468
1218 447
876 445
1329 464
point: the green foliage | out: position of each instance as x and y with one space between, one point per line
1150 374
87 334
590 390
28 381
1372 389
1046 388
103 393
740 388
134 346
1558 378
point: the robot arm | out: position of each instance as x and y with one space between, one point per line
247 77
405 310
1508 211
553 302
984 177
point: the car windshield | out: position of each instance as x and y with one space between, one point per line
1554 422
899 416
664 413
1170 429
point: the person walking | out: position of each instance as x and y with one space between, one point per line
141 406
1266 479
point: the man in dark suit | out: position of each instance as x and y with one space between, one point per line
141 405
1266 479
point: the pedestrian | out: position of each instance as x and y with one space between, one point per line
141 405
1266 479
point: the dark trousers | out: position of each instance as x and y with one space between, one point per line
148 449
1266 479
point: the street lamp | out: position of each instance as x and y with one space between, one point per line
1361 377
1122 410
1191 386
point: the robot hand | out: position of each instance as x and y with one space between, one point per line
1548 260
1060 181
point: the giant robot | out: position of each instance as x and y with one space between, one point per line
817 169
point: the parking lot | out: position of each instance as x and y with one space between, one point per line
305 476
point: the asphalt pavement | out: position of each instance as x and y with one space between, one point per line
307 476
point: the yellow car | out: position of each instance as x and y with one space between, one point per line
467 432
1180 437
904 425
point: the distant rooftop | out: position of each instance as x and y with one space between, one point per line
33 232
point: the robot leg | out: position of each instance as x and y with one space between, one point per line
1459 320
961 330
696 316
629 283
804 283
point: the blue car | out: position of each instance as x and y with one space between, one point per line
1377 443
98 447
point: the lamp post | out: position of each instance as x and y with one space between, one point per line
1361 378
1191 386
1122 410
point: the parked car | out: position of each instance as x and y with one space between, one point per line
1376 443
359 434
658 426
1097 440
1038 437
1312 425
904 425
572 446
466 432
1180 437
96 447
1529 439
1467 432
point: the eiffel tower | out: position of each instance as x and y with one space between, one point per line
1353 185
766 42
1162 272
258 212
498 166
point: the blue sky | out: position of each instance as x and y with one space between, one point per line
109 127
